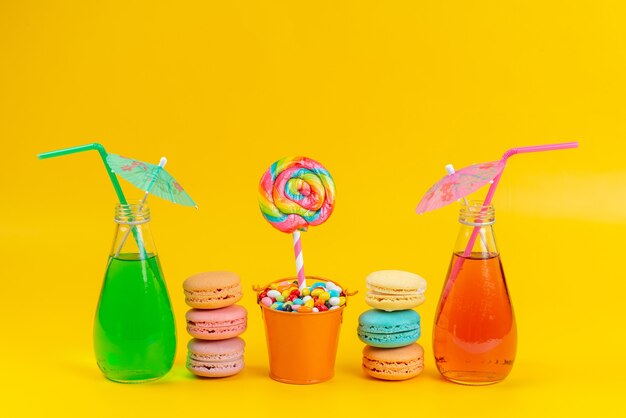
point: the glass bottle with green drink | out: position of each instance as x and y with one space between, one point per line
134 330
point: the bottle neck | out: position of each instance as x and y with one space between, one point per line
134 213
476 229
133 239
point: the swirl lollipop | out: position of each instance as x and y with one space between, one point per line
294 193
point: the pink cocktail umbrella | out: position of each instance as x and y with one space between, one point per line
468 180
459 184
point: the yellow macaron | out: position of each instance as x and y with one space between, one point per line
394 290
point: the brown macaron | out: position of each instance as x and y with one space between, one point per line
212 290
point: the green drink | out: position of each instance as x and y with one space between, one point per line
134 330
134 334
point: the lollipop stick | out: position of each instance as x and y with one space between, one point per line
297 249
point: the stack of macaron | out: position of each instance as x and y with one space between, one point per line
215 322
392 328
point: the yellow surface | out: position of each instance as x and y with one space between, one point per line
384 94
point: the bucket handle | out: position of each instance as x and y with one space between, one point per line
348 293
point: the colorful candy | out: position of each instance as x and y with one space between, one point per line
319 297
295 193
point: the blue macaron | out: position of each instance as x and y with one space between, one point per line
389 329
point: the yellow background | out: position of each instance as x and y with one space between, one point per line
384 93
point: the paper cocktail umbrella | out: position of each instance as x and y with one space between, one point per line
151 179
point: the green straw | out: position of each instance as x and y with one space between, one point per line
88 147
116 184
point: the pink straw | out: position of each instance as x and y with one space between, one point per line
297 249
470 244
496 180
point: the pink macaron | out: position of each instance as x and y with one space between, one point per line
215 358
217 324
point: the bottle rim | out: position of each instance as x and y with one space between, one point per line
475 213
132 213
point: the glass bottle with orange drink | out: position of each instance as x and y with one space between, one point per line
475 337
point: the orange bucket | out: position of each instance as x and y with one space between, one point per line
302 346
